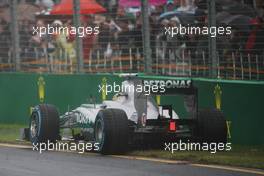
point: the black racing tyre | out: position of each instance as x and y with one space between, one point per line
111 131
211 126
44 124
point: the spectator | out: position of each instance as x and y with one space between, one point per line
5 39
64 50
169 6
187 6
104 39
70 49
46 5
37 43
88 39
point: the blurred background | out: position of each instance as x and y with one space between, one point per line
132 38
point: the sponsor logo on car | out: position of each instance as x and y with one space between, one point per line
168 84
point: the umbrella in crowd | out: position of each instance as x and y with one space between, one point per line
221 16
240 9
137 3
237 8
240 22
184 17
24 12
230 6
46 3
171 14
86 7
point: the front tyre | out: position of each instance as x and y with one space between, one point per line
44 124
111 131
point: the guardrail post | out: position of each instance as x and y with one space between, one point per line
249 66
212 40
146 37
15 35
242 66
234 65
79 42
257 67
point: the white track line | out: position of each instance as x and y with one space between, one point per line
16 146
150 159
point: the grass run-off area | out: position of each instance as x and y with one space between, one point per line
242 156
10 133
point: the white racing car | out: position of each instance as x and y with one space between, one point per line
132 117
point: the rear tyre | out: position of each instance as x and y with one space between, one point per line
211 126
111 131
44 124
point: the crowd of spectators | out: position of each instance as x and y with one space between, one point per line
121 33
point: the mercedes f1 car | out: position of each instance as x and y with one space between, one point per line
132 117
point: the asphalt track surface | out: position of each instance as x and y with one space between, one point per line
25 162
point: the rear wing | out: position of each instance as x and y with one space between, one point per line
171 86
162 85
176 87
165 84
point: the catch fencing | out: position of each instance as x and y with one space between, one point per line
120 46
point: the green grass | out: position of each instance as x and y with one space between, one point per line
10 133
241 156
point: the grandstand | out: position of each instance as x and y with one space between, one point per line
119 45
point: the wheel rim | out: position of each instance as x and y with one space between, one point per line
34 127
99 134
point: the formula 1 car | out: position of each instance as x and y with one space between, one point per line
132 117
